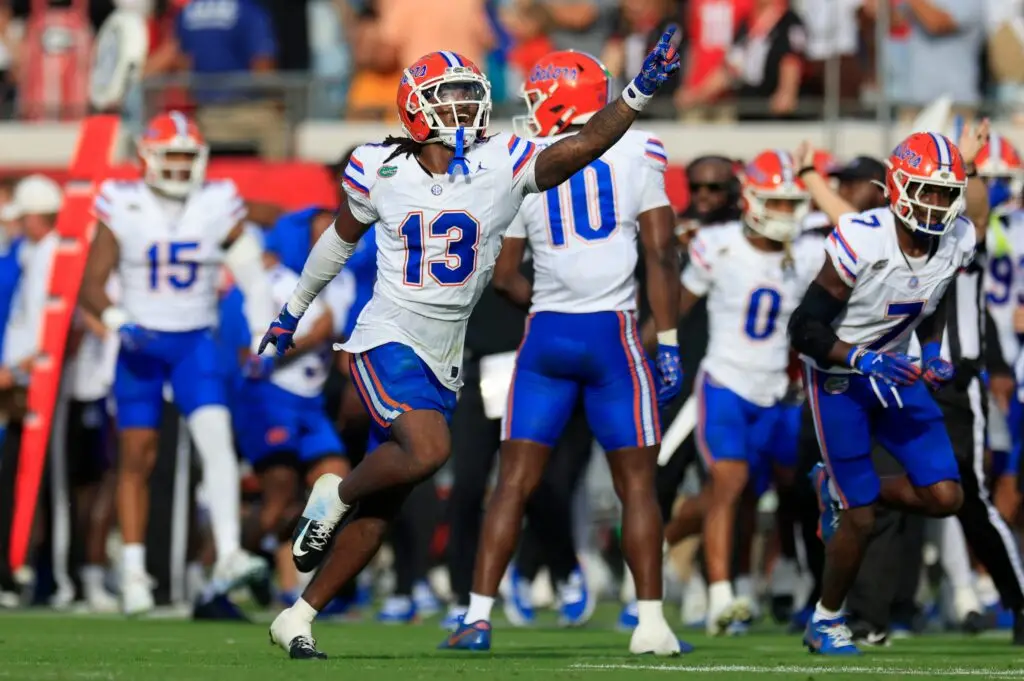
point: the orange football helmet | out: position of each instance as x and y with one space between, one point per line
768 181
441 94
173 154
926 165
1000 162
563 88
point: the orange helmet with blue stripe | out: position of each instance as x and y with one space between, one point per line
173 154
563 88
1000 163
926 182
774 198
441 94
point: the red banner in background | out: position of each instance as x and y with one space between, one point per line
299 184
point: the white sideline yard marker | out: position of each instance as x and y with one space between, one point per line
816 669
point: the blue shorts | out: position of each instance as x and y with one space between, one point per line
597 355
391 380
849 416
187 359
270 420
731 428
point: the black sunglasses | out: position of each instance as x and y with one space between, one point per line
710 186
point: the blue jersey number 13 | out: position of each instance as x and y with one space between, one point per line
462 232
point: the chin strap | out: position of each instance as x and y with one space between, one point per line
458 163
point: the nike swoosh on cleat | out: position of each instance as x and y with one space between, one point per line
297 544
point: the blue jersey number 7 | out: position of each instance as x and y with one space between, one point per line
907 312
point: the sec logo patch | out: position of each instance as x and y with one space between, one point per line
836 385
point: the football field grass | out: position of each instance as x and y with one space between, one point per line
47 647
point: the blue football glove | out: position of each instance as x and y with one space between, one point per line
258 367
936 371
670 373
134 337
281 333
661 63
891 367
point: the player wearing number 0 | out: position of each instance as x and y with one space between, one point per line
885 276
754 273
167 237
582 342
442 198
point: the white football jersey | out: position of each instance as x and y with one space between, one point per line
751 296
307 373
891 292
437 239
583 233
171 251
1004 281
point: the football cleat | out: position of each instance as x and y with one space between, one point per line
320 517
475 637
518 602
628 617
398 610
302 648
218 609
830 637
293 634
576 603
452 620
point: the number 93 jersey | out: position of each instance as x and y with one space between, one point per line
751 295
171 251
583 233
892 293
437 239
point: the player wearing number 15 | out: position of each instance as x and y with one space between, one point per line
582 341
754 273
442 198
885 276
167 237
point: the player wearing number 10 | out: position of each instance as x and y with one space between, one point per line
582 342
754 274
442 198
885 276
167 237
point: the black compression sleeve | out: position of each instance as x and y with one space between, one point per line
810 327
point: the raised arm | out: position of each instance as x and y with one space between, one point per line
563 159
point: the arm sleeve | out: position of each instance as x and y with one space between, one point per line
523 156
699 274
652 179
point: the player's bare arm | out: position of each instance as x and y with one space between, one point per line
104 254
810 327
564 158
508 280
972 140
824 196
661 260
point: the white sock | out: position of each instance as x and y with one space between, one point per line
954 554
822 613
986 589
479 609
210 427
195 580
719 596
304 610
133 559
649 613
745 587
92 578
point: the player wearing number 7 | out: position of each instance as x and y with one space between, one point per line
167 237
754 273
442 198
885 276
582 343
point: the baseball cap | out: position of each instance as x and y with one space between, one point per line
34 195
861 168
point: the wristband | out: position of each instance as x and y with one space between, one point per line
114 318
635 99
670 337
806 169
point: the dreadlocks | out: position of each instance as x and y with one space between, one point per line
405 146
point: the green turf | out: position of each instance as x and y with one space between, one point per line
47 647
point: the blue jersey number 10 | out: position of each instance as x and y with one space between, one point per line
591 198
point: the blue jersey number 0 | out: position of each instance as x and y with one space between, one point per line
593 187
763 313
462 232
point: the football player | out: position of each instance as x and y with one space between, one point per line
443 197
754 274
582 341
885 276
167 236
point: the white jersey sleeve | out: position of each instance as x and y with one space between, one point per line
523 154
967 241
225 205
652 182
699 274
850 247
359 178
517 228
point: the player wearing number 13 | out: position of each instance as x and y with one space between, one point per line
442 198
885 276
167 236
